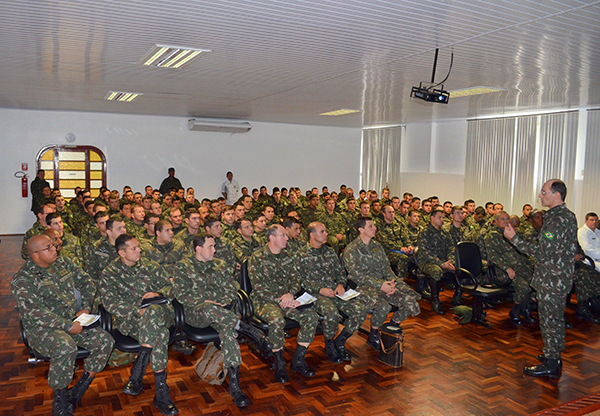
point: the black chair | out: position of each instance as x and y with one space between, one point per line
468 270
123 342
201 335
35 357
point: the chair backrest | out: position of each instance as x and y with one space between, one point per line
468 257
245 283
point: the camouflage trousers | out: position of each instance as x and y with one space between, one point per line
225 323
61 347
329 307
433 270
520 283
398 261
275 316
551 311
586 283
405 299
153 329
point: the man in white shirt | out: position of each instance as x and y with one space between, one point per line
230 189
589 238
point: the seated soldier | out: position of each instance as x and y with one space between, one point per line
508 261
207 289
103 251
260 225
228 222
38 227
435 257
244 245
223 248
124 286
456 228
293 229
392 238
192 221
335 223
275 280
165 250
150 221
379 288
44 289
70 247
323 277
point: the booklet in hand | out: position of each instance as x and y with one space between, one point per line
156 300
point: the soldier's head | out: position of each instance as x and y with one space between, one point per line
388 213
244 191
351 203
41 174
376 207
457 214
115 227
125 208
448 207
55 222
515 221
164 232
407 196
245 229
437 218
128 248
317 234
553 193
415 202
292 227
366 228
41 250
192 219
150 221
204 247
313 200
330 205
413 217
212 226
171 172
276 238
365 208
239 212
138 213
260 222
385 193
404 207
502 219
268 212
591 220
479 213
60 202
498 207
470 204
156 208
100 219
537 219
55 237
526 210
427 206
43 211
175 217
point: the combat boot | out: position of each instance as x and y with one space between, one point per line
135 384
332 352
75 393
373 339
526 307
340 344
583 312
514 314
457 298
60 405
235 391
256 335
299 363
435 296
548 368
162 398
281 375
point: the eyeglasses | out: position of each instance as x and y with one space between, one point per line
47 248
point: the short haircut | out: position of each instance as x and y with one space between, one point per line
54 215
560 187
364 203
124 203
487 204
526 205
311 228
159 226
112 220
404 202
121 241
98 215
200 239
361 222
210 221
313 196
480 210
88 203
436 211
190 211
456 208
271 231
587 216
149 216
416 198
289 222
469 201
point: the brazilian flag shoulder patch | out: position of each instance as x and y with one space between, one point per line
549 235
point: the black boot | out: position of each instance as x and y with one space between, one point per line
514 314
457 298
184 347
435 296
340 344
373 339
548 368
135 384
239 398
595 305
583 311
421 287
75 393
60 405
526 307
256 335
299 363
281 375
332 352
162 398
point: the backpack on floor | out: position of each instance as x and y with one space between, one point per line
210 366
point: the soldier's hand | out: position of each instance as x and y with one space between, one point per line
325 291
339 290
82 312
287 300
448 265
578 257
509 231
339 237
511 273
150 295
76 328
411 249
388 287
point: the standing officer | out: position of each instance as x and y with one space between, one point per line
554 255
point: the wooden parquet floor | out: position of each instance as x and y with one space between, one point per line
449 369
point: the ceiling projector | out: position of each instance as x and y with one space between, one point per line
430 94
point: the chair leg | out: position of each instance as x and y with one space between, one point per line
478 312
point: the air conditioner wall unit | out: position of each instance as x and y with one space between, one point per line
219 125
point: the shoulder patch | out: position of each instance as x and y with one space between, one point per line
549 235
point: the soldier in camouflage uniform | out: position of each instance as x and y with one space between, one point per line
379 288
392 236
296 238
425 214
244 245
103 251
311 212
193 223
511 263
136 227
456 228
228 223
436 257
223 248
38 227
324 278
124 284
275 280
70 247
260 225
553 277
44 290
207 289
165 250
335 224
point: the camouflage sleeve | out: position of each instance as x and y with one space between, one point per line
32 311
161 283
425 254
450 249
84 283
496 251
309 281
260 284
183 286
358 270
113 296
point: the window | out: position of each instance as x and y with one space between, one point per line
68 167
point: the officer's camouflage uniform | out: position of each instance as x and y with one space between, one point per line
196 282
457 234
224 251
369 268
71 249
122 288
167 254
136 230
295 244
335 224
321 268
36 229
244 249
230 233
99 257
272 276
435 248
586 280
554 256
47 307
503 256
392 237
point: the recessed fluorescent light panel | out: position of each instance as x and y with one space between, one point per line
465 92
165 56
340 112
122 96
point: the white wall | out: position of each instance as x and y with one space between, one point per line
140 149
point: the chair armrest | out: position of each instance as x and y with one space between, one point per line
179 315
465 279
351 284
248 306
105 319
